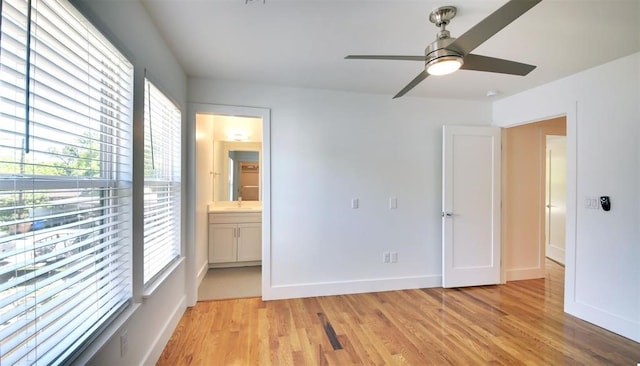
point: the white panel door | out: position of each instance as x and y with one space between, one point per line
471 206
556 197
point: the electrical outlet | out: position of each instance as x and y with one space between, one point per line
124 343
394 257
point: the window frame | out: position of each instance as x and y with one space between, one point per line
110 179
149 285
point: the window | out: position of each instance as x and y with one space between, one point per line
162 148
65 182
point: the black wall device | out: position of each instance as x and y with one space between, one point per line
605 203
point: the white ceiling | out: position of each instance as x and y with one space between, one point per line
302 43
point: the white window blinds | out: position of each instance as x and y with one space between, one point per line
162 175
65 182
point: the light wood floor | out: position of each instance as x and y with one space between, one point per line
521 322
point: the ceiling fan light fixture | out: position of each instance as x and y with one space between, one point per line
444 65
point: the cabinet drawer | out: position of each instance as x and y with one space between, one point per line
234 218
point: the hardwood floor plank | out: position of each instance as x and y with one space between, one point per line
520 323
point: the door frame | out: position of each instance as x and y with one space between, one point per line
532 239
570 112
194 271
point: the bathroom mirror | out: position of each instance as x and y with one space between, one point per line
236 171
244 175
237 157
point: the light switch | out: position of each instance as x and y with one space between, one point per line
393 203
592 203
386 257
354 203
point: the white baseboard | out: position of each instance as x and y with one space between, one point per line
556 253
625 327
524 274
202 272
349 287
167 331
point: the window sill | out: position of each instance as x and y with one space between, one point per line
148 292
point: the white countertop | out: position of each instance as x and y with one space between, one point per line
235 209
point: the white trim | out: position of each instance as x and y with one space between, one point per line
148 292
202 272
350 287
525 273
154 353
572 207
628 328
570 111
556 253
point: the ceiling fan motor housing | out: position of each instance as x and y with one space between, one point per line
439 49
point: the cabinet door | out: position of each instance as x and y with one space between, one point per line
249 242
222 243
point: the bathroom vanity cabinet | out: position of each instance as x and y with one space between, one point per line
235 238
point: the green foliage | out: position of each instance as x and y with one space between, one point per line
80 161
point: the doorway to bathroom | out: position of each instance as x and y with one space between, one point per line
231 200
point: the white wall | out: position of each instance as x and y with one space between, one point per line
328 147
204 165
603 152
151 321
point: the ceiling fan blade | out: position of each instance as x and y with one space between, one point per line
492 24
492 64
421 76
383 57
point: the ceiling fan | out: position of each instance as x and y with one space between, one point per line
446 54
